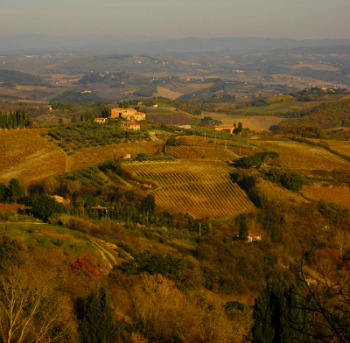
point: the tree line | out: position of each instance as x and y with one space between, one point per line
13 120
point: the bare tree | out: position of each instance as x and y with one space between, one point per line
29 311
328 305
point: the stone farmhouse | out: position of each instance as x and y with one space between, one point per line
100 120
224 128
132 126
129 114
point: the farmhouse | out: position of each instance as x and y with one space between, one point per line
128 114
224 128
253 237
100 120
132 126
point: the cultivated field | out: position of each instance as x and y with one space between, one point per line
167 93
92 155
28 156
210 148
256 123
209 153
273 191
200 188
340 146
296 155
329 193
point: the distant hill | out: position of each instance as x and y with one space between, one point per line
140 44
326 116
12 77
77 97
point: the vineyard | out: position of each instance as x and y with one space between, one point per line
200 188
93 155
296 155
28 156
193 152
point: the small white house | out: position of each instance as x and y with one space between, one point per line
253 237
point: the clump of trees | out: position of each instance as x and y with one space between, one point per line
97 323
256 160
12 192
13 120
288 179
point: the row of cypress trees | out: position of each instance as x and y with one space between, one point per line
14 120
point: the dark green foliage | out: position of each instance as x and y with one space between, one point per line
171 141
3 192
288 179
246 182
98 324
12 77
14 190
13 120
315 93
116 167
148 204
172 267
206 121
325 116
76 135
74 97
238 129
87 176
280 316
44 207
292 181
307 131
243 229
256 160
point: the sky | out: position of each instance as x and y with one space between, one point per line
300 19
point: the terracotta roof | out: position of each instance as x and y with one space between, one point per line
253 234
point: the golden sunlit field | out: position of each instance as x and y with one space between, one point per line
210 153
92 155
256 123
167 93
340 146
28 156
329 193
273 191
199 188
296 155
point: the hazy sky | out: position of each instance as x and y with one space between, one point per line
178 18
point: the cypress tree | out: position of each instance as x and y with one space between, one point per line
280 316
98 324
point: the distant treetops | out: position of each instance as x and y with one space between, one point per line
13 120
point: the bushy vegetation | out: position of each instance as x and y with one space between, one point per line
12 192
256 160
325 116
288 179
315 93
88 176
13 77
80 135
13 120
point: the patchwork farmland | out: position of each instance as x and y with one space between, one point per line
200 188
